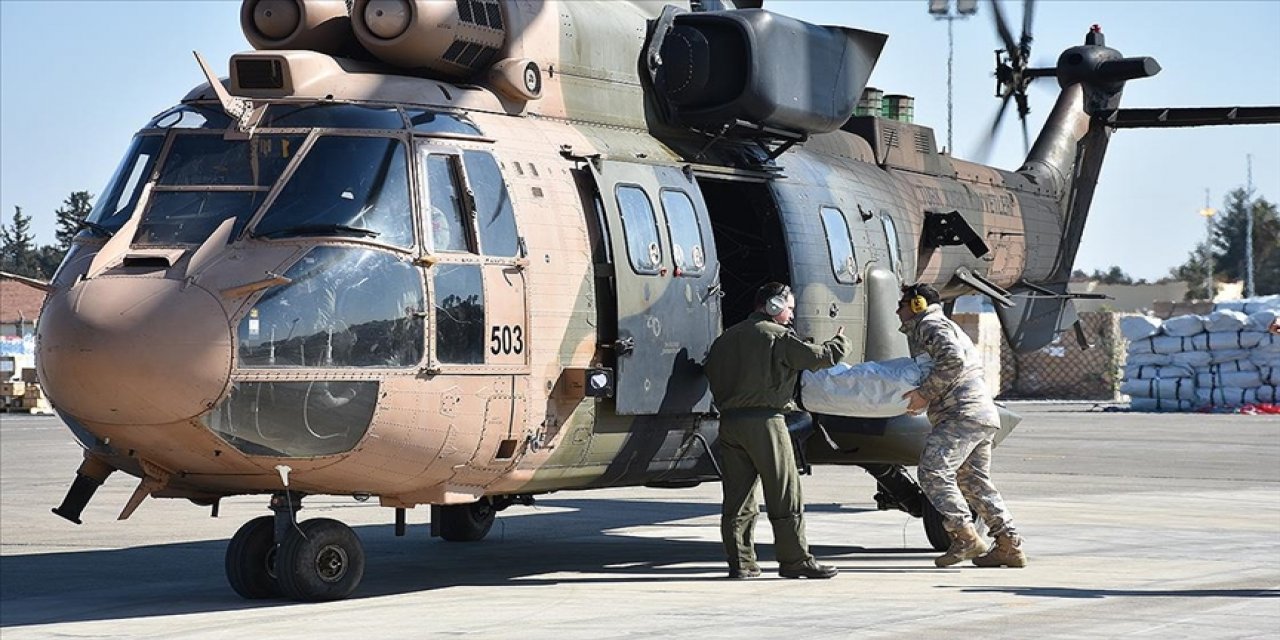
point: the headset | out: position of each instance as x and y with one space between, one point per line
915 302
777 304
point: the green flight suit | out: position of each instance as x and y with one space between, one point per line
752 368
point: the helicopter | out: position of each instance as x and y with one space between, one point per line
463 253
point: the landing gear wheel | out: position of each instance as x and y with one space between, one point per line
323 561
467 522
251 558
937 534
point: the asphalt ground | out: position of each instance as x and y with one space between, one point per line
1137 525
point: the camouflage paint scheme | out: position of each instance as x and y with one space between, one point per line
438 429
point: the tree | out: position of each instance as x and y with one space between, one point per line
1197 272
1113 275
17 251
74 209
1226 254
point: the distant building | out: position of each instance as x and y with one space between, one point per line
20 301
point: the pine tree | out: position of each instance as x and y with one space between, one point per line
1225 257
74 209
18 254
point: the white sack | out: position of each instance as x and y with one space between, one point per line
1143 359
1269 375
1230 355
1261 320
1225 320
1264 359
1150 371
1165 388
1142 345
1233 379
1191 358
1176 344
1139 327
1226 396
1261 303
1230 366
1268 393
1235 339
1156 404
1182 326
863 390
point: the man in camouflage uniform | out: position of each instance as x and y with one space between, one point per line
752 368
955 465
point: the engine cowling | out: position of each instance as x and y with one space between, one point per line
317 25
456 39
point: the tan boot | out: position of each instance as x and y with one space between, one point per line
1006 553
965 544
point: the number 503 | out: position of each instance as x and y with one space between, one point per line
506 339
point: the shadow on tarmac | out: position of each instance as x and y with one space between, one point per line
1067 592
526 548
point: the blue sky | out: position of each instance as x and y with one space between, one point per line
78 78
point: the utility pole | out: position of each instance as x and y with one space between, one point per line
1248 227
1208 213
942 10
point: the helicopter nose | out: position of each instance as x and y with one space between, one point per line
134 351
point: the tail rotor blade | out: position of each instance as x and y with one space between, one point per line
1028 14
1002 28
984 148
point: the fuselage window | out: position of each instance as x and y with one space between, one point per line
205 179
494 217
433 122
344 307
687 252
448 219
640 228
843 263
294 419
346 186
122 192
891 238
459 302
336 116
190 116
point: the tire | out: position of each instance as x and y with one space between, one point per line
937 533
323 561
467 522
251 559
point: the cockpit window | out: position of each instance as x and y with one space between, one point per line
434 122
212 160
338 116
205 179
295 419
190 116
116 204
346 186
344 307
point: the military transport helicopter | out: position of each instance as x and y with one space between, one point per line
463 252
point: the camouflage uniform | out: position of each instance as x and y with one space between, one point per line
956 462
752 368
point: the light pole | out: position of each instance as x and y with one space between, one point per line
1208 213
942 10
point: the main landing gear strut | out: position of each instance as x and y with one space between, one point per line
273 556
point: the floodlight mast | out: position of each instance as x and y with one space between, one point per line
942 10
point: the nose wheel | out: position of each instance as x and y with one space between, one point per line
273 556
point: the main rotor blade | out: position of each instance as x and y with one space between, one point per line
1028 13
1026 138
984 148
1003 29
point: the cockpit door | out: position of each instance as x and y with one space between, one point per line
666 277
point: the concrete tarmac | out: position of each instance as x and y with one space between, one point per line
1137 525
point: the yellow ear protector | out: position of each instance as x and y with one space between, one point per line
917 304
777 304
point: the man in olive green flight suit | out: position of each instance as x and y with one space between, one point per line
752 368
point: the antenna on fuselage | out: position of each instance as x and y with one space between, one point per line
241 110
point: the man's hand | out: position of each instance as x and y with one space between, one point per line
916 403
1275 326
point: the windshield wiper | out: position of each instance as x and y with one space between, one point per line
85 224
319 230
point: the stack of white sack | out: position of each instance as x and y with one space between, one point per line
1223 359
864 390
